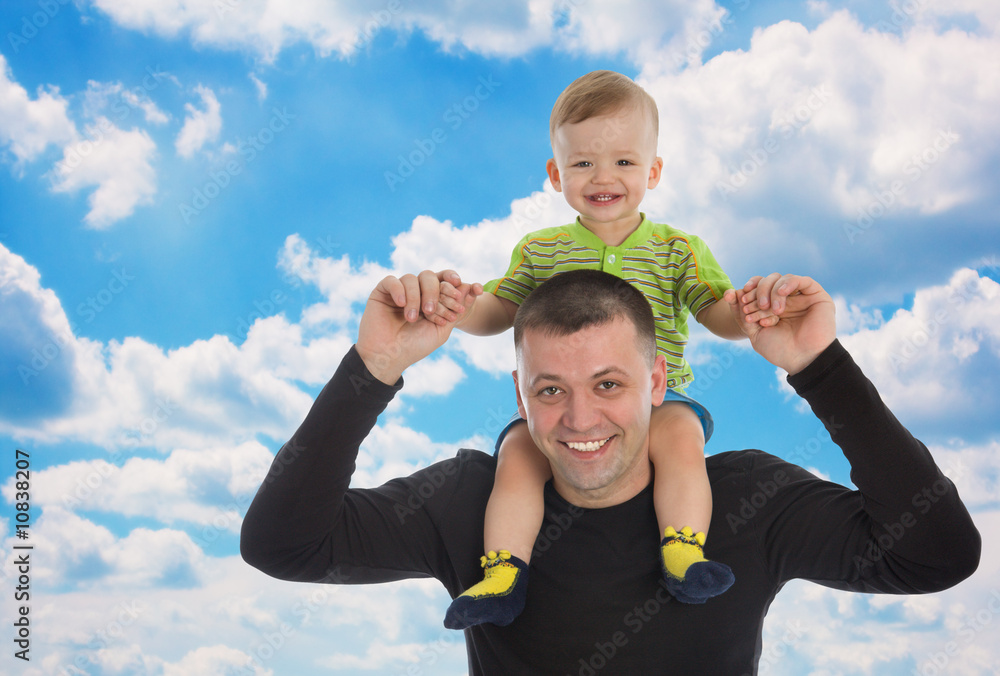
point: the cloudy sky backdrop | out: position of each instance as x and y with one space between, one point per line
196 198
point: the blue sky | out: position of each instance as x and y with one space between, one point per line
196 199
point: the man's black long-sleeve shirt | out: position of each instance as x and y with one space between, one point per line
596 603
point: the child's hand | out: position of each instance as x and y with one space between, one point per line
764 309
444 298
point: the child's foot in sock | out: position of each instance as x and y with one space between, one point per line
498 599
690 577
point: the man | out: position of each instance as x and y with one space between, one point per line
585 372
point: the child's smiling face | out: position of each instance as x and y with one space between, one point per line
603 166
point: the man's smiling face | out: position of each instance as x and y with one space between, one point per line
587 399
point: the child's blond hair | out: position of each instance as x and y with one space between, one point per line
597 93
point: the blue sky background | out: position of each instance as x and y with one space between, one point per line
196 199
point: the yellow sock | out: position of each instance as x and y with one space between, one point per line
499 578
498 599
681 550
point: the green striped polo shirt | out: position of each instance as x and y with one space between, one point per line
675 271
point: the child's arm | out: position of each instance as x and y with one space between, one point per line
724 319
488 315
444 299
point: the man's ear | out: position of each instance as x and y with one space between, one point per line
517 392
655 172
659 379
552 169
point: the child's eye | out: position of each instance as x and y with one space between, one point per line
624 163
584 164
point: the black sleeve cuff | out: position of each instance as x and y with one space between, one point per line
362 379
815 373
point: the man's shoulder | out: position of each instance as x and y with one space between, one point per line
469 466
729 464
476 460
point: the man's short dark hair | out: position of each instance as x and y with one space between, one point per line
579 299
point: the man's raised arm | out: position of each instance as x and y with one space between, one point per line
302 519
905 530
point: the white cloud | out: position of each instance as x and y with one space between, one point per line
510 29
29 126
117 162
378 655
772 152
210 487
121 620
975 469
90 555
828 632
675 34
131 393
200 126
343 283
260 85
478 252
936 361
213 660
211 394
102 96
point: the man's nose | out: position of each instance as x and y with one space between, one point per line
581 413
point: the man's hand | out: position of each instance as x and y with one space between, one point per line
790 318
394 334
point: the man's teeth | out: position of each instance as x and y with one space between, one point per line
586 446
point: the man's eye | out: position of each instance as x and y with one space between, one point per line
549 391
608 385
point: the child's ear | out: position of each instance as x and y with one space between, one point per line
655 172
552 169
